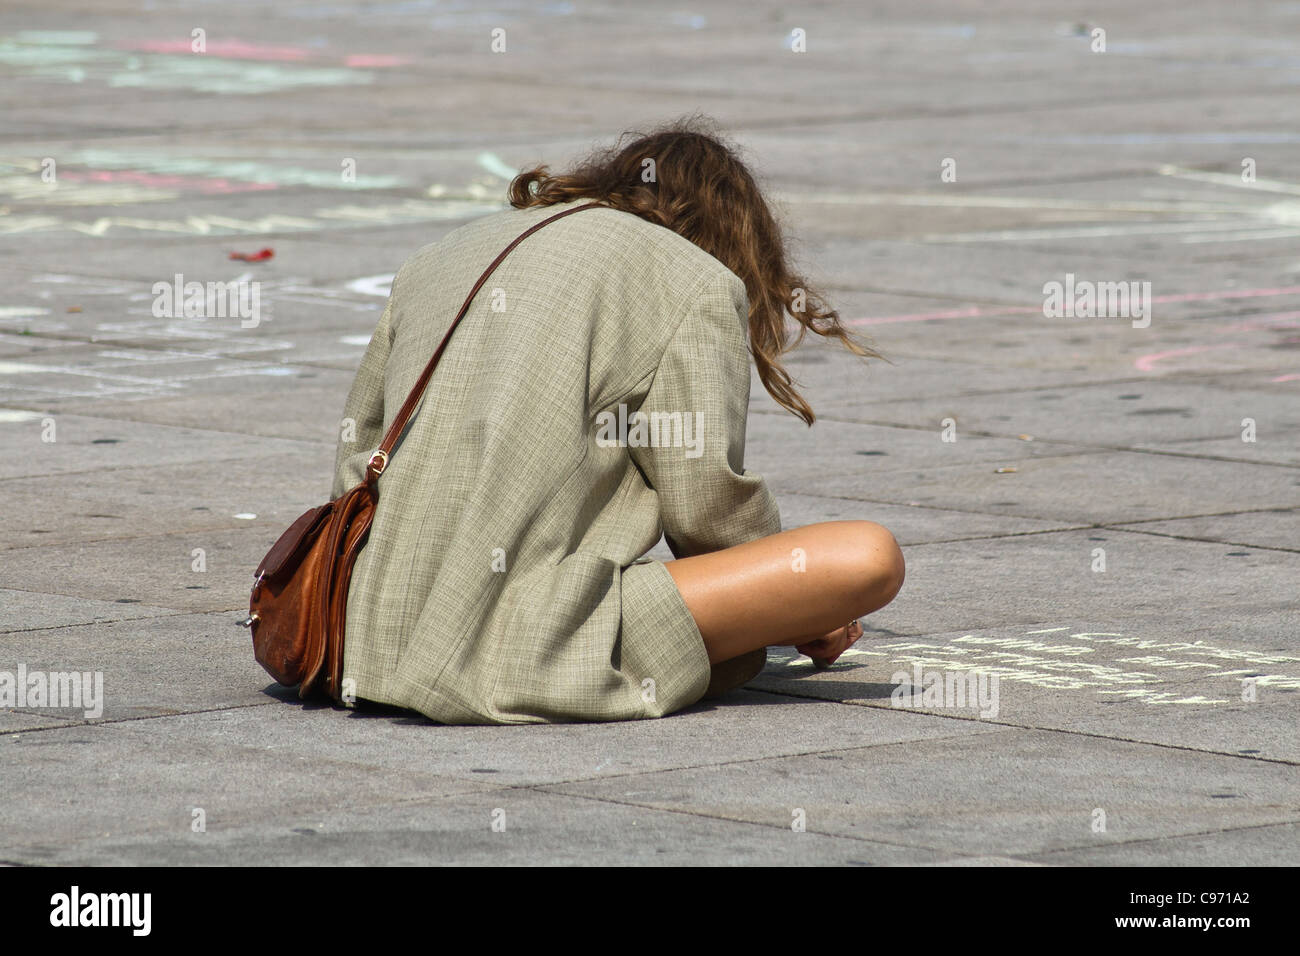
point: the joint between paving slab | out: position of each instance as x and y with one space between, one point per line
1157 839
117 620
116 420
1086 448
1000 514
83 597
757 823
1187 537
734 763
1119 527
74 723
1007 724
44 546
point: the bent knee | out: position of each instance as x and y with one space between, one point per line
880 567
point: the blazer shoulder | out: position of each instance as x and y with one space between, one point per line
677 248
601 241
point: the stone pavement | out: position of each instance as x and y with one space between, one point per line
1102 513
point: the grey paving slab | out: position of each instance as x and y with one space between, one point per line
1264 728
1100 351
149 666
1146 679
1158 415
99 783
784 449
180 497
17 721
1014 793
121 371
742 726
16 345
990 295
160 364
88 444
159 570
909 525
533 829
1281 447
1100 488
1000 861
1245 846
1022 144
257 406
966 585
833 380
1274 528
132 255
25 609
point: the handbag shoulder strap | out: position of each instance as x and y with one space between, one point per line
379 460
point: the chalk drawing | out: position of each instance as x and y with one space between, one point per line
1261 323
1147 362
243 50
373 285
1204 673
217 187
75 58
114 188
433 15
68 191
1232 180
203 349
497 166
1238 217
228 49
203 171
336 217
375 60
1275 320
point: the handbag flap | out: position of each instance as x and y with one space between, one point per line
295 541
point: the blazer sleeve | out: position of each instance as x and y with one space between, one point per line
362 426
707 500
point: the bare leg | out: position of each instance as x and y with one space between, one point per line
789 588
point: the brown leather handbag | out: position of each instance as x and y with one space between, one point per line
298 607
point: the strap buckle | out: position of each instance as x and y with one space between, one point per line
378 462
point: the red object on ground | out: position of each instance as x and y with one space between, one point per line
260 256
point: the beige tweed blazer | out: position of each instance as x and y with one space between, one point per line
504 579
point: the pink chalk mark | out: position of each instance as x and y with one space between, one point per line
241 50
190 183
1145 363
1274 320
1292 377
1228 294
969 313
227 49
371 60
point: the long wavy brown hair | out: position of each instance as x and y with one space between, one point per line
684 177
